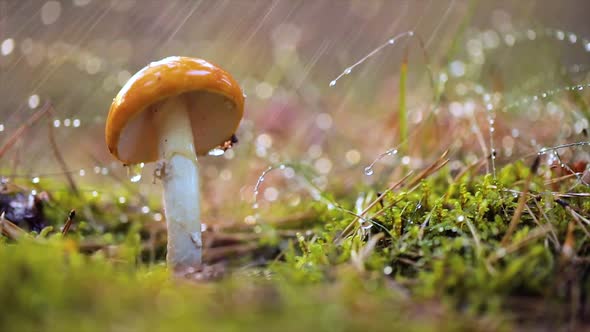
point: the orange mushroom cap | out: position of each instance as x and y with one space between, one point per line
214 100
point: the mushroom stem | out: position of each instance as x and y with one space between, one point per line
180 179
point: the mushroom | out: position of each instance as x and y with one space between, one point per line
171 111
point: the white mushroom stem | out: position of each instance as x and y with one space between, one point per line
180 179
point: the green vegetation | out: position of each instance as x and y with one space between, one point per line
431 260
465 242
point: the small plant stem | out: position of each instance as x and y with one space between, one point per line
568 250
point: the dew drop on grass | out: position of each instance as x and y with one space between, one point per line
259 183
369 170
491 113
310 185
366 225
387 270
391 41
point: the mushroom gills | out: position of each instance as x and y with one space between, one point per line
213 118
180 179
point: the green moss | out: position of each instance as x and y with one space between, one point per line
438 266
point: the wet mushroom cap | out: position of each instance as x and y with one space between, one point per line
214 100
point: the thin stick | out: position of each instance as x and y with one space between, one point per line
576 216
9 229
553 236
473 167
61 161
358 259
19 132
521 202
533 235
69 222
478 246
435 167
568 250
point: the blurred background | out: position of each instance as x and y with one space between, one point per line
465 58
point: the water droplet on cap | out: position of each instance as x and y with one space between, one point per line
134 172
216 152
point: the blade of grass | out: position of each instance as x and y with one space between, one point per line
350 227
457 42
402 111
